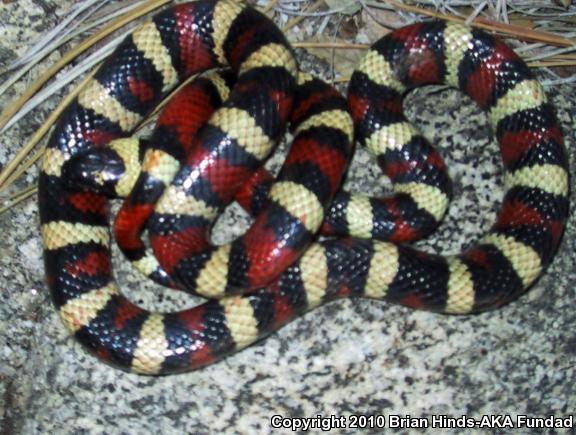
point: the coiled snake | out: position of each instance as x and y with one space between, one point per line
279 269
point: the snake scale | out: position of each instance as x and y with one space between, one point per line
280 269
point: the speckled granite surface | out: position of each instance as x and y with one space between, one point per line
349 357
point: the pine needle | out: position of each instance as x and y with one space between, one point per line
26 67
57 33
39 134
21 169
18 197
70 55
295 21
269 7
340 45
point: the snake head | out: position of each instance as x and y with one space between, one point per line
97 170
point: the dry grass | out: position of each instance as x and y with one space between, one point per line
541 31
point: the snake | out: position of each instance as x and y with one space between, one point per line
250 295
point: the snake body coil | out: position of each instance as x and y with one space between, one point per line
193 37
